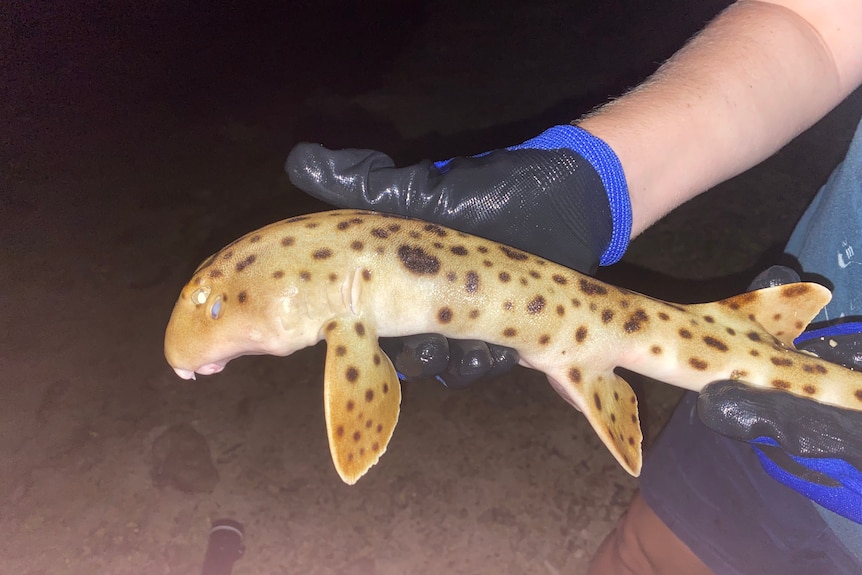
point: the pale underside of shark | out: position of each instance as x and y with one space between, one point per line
350 277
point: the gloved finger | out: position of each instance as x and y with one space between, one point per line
833 483
503 359
774 276
471 360
800 426
842 349
354 178
417 356
783 460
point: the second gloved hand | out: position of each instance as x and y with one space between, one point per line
813 448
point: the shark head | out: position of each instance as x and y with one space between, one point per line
205 332
235 304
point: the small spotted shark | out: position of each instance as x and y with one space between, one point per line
350 277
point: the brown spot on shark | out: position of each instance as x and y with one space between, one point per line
241 266
591 288
536 305
581 334
471 284
698 363
418 261
715 343
635 321
438 231
513 254
444 315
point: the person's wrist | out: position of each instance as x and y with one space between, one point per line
609 169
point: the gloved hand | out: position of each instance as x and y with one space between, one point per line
810 447
561 195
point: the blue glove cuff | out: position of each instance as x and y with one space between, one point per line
845 500
607 165
847 328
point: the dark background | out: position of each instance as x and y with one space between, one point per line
137 138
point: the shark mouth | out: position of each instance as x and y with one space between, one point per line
207 369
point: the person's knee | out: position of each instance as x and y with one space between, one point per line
628 546
622 551
641 544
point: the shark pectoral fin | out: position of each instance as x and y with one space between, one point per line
783 311
361 394
611 407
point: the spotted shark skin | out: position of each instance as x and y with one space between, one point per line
350 277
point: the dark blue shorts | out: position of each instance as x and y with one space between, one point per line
714 495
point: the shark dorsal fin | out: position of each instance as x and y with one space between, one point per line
783 311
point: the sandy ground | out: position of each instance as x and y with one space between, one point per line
139 141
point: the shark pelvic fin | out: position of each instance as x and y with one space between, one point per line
611 407
361 394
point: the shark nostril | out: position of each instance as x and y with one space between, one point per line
200 295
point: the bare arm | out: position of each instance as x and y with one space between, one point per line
756 77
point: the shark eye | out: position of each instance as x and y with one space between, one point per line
200 295
216 309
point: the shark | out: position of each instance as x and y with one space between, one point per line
349 277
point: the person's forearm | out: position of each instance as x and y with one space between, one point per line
755 78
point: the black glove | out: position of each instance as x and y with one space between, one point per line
550 202
813 448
